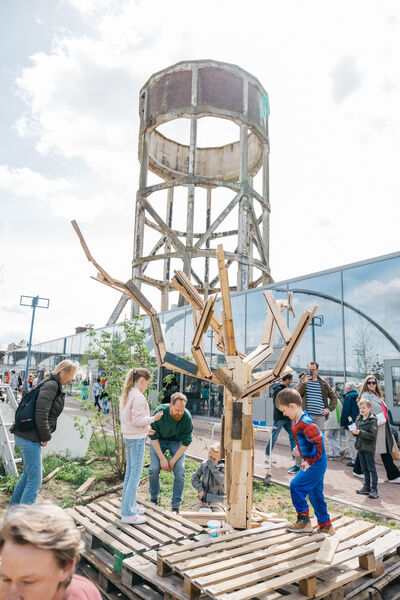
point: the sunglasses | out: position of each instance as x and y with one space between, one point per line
371 382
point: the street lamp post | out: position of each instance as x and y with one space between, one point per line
316 321
34 302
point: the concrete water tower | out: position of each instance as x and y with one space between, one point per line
193 90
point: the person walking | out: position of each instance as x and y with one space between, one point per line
332 432
14 383
49 406
350 412
315 393
135 420
370 390
280 421
97 390
173 433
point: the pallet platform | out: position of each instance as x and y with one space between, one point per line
259 564
113 541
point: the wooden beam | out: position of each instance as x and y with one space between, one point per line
201 362
205 319
88 254
297 334
229 334
276 311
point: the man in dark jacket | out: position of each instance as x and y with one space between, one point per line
208 480
350 412
279 418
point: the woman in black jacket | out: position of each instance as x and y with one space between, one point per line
49 406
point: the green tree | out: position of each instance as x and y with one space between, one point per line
116 353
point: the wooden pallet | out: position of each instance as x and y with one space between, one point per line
255 563
113 541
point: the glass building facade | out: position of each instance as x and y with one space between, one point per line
356 330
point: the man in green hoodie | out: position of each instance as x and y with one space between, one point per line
174 433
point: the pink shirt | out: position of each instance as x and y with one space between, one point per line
82 589
135 416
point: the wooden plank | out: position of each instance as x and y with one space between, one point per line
247 432
150 535
88 254
276 312
180 363
300 569
147 571
85 486
224 376
298 333
140 298
327 550
236 431
172 516
238 538
258 356
269 330
227 321
244 557
201 361
204 322
111 530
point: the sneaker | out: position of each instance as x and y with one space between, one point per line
154 501
350 464
175 509
269 460
364 491
133 519
328 530
302 525
373 494
293 470
397 480
140 510
361 475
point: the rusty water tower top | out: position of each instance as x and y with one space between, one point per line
202 192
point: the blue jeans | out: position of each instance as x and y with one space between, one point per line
30 481
179 472
311 483
134 467
104 403
287 425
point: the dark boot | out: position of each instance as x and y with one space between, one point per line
154 500
364 490
373 494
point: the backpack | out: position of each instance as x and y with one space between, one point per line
25 413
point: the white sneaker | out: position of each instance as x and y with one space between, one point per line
140 510
397 480
360 475
267 461
133 519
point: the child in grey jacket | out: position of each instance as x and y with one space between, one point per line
208 480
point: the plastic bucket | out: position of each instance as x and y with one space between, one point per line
213 527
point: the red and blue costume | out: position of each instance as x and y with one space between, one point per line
310 444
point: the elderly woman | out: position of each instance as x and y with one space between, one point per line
370 390
49 406
39 547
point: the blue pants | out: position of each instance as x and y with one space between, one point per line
179 472
104 404
134 467
287 425
311 483
30 481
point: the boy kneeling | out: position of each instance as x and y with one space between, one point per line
309 481
209 481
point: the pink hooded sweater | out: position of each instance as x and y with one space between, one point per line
135 416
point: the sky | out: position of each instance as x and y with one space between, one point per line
70 75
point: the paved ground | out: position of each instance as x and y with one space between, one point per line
340 484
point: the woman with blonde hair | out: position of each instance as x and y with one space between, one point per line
135 420
39 548
49 406
370 390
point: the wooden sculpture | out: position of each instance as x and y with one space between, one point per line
240 384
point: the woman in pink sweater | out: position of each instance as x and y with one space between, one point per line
135 420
